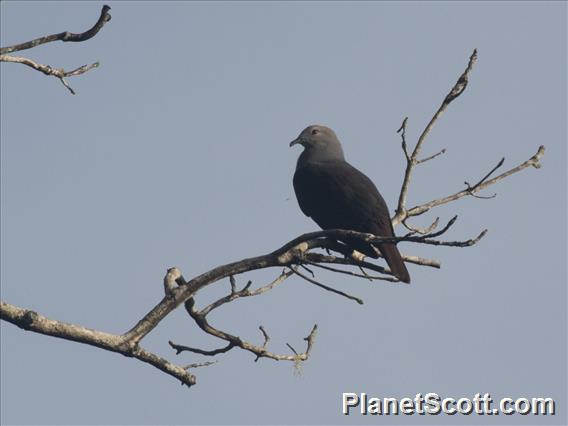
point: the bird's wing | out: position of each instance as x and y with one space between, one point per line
337 195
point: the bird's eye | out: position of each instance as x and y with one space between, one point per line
315 131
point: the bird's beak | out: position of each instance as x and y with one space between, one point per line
297 141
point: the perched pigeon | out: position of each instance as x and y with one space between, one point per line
338 196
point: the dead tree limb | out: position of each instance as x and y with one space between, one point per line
412 159
303 251
60 73
32 321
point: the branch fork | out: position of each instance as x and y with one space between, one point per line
306 251
65 36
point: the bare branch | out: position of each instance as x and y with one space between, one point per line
266 336
245 292
422 261
320 258
48 70
266 340
200 364
298 252
484 178
402 131
412 161
370 238
259 351
415 230
534 161
64 36
59 73
466 243
443 151
32 321
471 189
325 287
292 348
354 274
181 348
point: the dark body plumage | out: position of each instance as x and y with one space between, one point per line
338 196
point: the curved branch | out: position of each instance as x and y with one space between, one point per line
64 36
259 351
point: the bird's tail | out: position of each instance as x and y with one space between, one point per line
394 259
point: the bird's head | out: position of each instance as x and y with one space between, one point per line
314 135
318 138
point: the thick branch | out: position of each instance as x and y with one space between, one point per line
32 321
291 253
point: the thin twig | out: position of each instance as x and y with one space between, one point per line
466 243
308 270
245 292
416 230
266 340
471 189
325 287
484 178
354 274
200 364
443 151
292 349
181 348
402 131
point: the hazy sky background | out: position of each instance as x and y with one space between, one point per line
175 152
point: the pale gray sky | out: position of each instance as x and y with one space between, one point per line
175 152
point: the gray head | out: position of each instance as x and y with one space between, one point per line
320 144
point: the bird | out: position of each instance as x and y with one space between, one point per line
336 195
